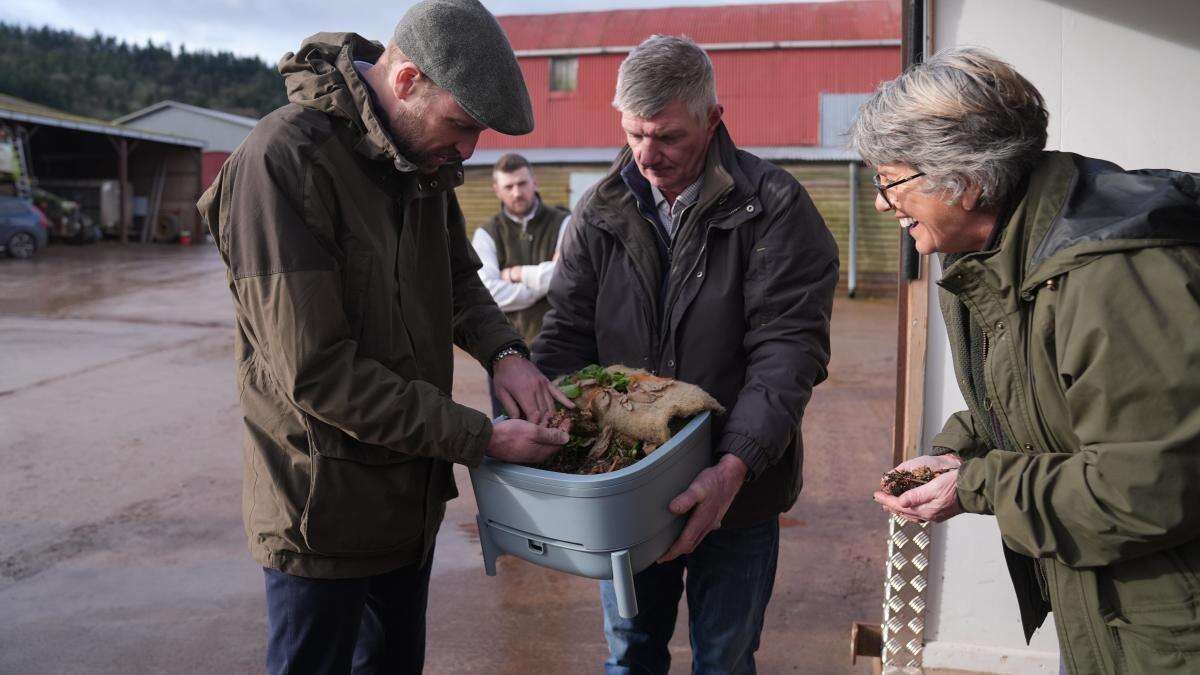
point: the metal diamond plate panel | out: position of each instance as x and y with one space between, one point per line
904 597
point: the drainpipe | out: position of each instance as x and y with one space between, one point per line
852 281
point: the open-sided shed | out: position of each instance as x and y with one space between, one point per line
70 154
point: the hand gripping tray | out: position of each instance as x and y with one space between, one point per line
606 526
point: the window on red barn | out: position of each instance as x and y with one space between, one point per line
564 73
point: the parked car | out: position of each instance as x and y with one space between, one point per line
23 229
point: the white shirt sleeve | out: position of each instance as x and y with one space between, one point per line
537 277
509 297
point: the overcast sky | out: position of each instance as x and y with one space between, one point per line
266 28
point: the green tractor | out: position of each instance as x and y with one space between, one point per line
68 222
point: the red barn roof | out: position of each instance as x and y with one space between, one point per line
773 65
783 22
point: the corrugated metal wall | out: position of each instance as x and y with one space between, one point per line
828 184
211 166
846 20
771 97
878 235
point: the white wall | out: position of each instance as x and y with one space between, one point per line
1122 82
220 135
1121 79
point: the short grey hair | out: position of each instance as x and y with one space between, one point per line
963 117
666 68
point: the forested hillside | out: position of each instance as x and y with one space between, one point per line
102 77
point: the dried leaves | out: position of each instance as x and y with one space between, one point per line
896 483
593 450
600 448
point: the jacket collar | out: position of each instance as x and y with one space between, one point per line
624 192
322 76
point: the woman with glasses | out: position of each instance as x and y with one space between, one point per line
1071 293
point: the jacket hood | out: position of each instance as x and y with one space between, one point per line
1091 207
321 76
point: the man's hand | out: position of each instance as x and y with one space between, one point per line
524 442
511 275
525 392
708 498
934 501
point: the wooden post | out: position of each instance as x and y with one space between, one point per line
911 407
866 640
913 296
852 276
123 176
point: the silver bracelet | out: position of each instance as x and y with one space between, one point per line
507 352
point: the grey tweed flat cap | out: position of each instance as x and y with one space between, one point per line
461 47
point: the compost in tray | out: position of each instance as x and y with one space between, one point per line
619 417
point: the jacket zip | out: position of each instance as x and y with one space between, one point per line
1039 571
997 430
1120 649
1043 582
655 340
695 263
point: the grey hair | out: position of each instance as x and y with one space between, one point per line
666 68
963 117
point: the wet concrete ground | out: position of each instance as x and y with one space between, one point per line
121 545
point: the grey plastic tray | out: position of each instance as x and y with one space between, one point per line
608 526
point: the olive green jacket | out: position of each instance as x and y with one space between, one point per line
1090 307
352 280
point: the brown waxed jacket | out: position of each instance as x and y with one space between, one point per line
352 280
739 306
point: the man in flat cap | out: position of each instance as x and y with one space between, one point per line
352 280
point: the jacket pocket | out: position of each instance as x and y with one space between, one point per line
1149 582
1152 606
759 308
1157 644
362 499
1186 558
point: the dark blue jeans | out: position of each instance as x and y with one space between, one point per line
730 577
368 625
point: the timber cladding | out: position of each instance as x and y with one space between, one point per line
827 184
479 203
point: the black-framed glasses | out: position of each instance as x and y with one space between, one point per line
884 188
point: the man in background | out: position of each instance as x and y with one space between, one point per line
518 249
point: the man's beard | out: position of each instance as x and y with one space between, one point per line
521 208
406 134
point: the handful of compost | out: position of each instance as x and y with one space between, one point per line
621 415
896 483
